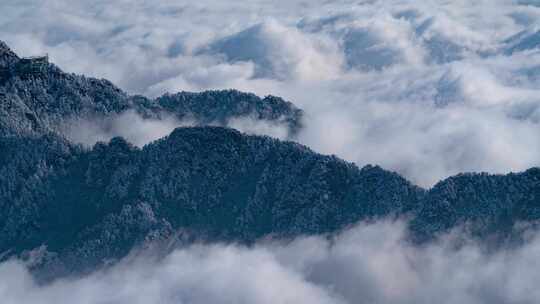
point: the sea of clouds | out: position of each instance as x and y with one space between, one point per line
367 264
426 88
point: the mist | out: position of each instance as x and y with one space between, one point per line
129 125
369 263
427 89
140 131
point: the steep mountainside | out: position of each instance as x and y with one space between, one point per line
40 102
68 209
217 183
489 205
211 183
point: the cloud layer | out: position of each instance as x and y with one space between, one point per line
129 125
429 88
426 88
140 131
366 264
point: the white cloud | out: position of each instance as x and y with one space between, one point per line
370 263
280 52
427 88
277 129
140 131
129 125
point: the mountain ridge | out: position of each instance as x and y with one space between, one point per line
217 184
70 208
42 102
